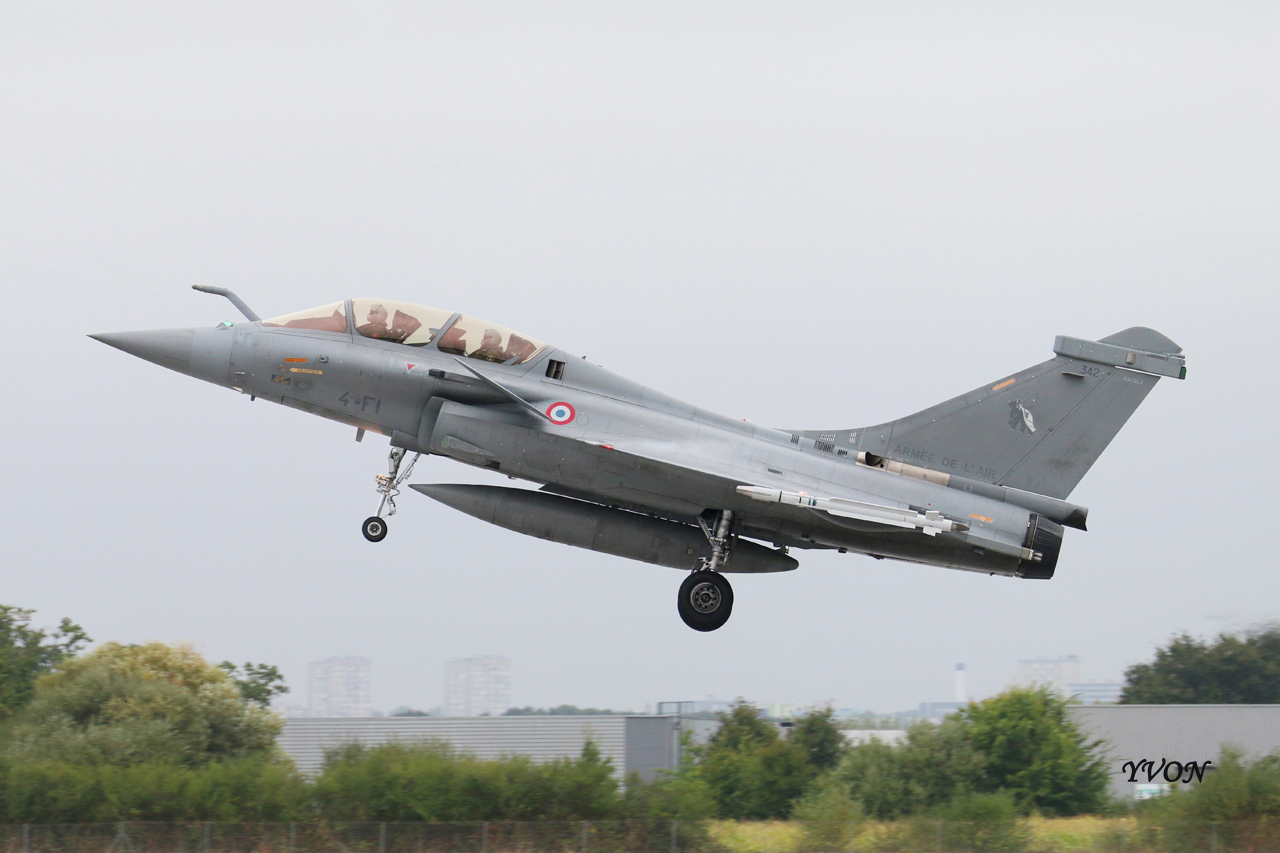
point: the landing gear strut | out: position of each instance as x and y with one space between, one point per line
375 526
706 598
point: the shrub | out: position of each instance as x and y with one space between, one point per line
432 782
828 814
243 790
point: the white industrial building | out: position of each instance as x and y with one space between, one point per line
1173 733
643 744
477 686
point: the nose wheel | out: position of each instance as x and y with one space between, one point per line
706 600
374 529
375 526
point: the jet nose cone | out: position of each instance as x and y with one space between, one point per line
169 348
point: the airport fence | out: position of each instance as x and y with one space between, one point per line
911 836
329 837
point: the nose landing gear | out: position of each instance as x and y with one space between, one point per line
375 526
706 598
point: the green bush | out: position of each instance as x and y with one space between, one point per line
431 782
676 796
752 773
1238 803
983 822
828 815
244 790
936 763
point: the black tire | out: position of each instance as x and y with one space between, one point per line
706 600
374 529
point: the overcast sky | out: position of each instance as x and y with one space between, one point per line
806 214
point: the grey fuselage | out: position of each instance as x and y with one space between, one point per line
627 446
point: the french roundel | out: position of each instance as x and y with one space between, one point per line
561 413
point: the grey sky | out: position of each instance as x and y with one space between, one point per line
809 215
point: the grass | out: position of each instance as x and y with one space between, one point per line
1086 832
755 836
1049 835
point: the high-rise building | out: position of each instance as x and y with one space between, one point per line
340 687
477 686
1051 672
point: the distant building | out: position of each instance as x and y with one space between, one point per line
1057 673
340 687
477 686
856 737
935 711
711 705
1095 692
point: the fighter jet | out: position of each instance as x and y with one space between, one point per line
977 483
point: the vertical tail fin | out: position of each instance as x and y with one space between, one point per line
1039 430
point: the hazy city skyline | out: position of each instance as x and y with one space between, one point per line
340 687
810 215
477 686
481 685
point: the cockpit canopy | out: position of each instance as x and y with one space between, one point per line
417 326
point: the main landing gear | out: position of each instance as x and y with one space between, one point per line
375 526
706 598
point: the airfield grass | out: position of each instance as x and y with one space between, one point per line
1048 835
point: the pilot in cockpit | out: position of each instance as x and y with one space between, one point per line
491 347
376 327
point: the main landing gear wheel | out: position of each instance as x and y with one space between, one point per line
706 600
374 529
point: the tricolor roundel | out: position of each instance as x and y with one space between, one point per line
560 413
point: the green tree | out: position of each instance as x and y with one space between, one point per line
753 774
27 653
934 764
819 736
1030 748
1020 742
557 711
1233 669
138 704
258 682
742 726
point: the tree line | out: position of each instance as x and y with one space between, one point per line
156 732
